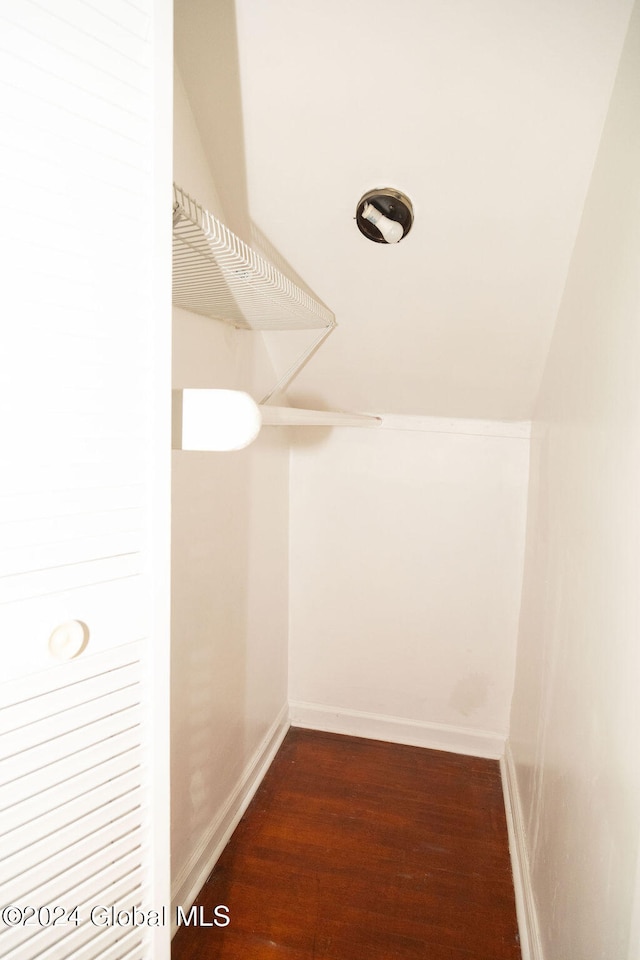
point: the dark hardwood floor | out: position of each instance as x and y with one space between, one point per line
356 849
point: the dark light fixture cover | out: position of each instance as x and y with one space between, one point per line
393 204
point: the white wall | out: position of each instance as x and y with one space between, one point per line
576 707
229 578
405 570
205 36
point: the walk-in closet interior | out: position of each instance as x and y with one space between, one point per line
401 241
460 575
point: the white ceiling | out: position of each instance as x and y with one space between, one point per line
487 113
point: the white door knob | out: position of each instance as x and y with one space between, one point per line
68 640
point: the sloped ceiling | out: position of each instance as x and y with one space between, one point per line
487 113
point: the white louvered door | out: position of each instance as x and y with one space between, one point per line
73 806
84 447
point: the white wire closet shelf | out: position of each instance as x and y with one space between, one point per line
217 275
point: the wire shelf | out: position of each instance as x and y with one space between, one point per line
217 275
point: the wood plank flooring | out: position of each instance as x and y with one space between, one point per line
356 849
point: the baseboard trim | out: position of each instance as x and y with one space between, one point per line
530 943
435 736
194 874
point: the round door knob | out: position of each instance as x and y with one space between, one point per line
68 640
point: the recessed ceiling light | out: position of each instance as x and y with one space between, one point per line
384 215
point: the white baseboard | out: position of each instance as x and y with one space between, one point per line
435 736
530 943
193 875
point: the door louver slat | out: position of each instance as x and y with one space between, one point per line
119 879
59 726
72 809
69 824
29 809
131 941
67 872
15 766
58 701
89 758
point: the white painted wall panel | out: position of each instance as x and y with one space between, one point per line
406 557
229 564
576 708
